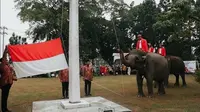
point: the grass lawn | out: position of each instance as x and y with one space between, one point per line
25 91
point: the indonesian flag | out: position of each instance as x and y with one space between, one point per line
39 58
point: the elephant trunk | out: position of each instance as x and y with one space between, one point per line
124 61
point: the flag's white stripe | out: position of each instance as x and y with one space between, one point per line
36 67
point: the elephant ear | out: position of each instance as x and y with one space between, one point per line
140 62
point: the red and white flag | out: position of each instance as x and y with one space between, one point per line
39 58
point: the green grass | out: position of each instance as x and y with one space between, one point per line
178 99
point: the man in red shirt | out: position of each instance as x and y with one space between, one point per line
162 50
101 70
64 79
142 44
7 77
151 49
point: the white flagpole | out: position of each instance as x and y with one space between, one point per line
74 70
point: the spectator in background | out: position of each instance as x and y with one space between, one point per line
6 80
105 70
110 70
142 44
129 71
88 77
64 79
124 69
98 70
162 50
101 70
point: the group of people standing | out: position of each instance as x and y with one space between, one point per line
87 73
147 47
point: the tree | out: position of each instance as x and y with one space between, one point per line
141 18
175 27
175 23
45 20
196 34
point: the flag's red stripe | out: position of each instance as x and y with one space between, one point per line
38 51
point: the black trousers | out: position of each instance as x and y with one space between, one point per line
65 89
87 87
4 97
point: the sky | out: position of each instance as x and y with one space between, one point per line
10 19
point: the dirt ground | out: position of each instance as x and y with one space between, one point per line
120 89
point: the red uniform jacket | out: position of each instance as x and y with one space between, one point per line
101 70
64 75
88 73
151 49
142 44
162 51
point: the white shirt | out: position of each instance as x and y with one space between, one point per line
160 51
140 44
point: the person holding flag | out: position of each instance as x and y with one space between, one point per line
142 43
162 50
6 80
151 49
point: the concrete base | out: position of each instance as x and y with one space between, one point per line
67 105
96 104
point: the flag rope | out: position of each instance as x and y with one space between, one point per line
118 45
108 89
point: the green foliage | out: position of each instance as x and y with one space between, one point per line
142 18
197 76
174 23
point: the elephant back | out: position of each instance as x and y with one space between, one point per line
176 65
138 52
158 65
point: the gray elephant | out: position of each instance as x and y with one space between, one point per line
152 66
176 67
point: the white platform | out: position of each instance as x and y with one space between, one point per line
67 105
96 104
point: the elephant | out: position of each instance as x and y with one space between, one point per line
176 67
152 66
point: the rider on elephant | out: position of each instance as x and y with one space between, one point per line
151 49
162 50
142 43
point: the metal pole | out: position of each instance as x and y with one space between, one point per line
4 33
3 37
0 31
74 67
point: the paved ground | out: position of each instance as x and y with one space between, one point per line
120 89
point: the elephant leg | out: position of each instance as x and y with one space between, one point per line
161 89
155 84
177 80
150 85
183 80
140 84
